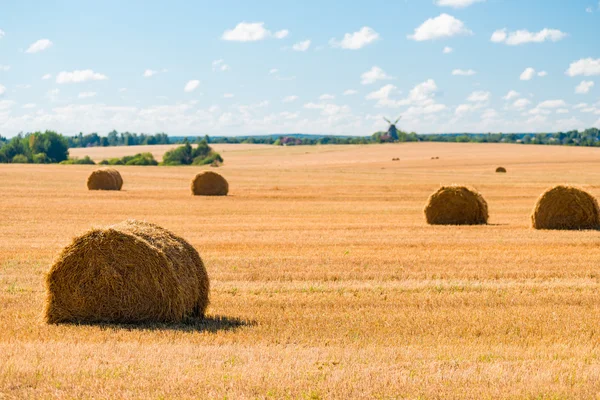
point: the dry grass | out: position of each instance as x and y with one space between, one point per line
326 280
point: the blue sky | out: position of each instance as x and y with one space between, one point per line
240 67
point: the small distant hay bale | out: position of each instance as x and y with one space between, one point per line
566 207
105 179
501 170
209 183
127 273
456 205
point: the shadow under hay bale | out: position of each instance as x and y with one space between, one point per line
456 205
566 207
131 272
209 183
501 170
105 179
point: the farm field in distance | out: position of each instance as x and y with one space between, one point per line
326 282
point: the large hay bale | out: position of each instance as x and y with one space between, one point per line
126 273
209 183
105 179
566 207
501 170
456 205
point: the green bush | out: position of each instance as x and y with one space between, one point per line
138 159
85 160
20 159
40 158
186 155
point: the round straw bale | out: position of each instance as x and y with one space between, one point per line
566 207
105 179
209 183
127 273
456 205
501 170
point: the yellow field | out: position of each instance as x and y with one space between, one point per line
326 281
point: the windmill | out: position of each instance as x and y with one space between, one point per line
392 131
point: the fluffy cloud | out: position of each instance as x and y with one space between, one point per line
524 36
191 86
85 95
584 87
585 66
421 99
301 46
463 72
528 74
252 32
149 73
46 76
219 65
373 75
447 50
552 104
511 95
78 76
443 26
457 3
1 33
289 99
326 96
356 40
38 46
479 97
521 103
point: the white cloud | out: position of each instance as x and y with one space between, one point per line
382 95
2 33
356 40
78 76
499 36
149 73
542 74
281 34
301 46
479 97
329 110
289 99
421 99
585 66
52 95
447 50
521 103
252 32
511 95
6 104
273 71
457 3
463 72
524 36
350 92
584 87
562 111
326 96
220 65
443 26
490 113
527 74
2 90
552 104
38 46
580 105
228 95
191 86
85 95
46 76
373 75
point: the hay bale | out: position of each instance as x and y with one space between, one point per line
566 207
456 205
501 170
127 273
105 179
209 183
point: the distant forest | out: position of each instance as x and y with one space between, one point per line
588 137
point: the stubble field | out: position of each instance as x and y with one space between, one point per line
326 280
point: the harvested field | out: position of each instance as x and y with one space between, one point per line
326 281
